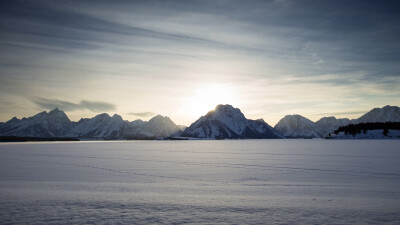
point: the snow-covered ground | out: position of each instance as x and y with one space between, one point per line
228 181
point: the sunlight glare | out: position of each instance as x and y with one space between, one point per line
206 97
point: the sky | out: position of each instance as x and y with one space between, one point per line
182 58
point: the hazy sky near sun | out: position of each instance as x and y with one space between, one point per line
181 58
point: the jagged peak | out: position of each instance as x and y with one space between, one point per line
227 109
222 106
14 119
103 114
116 116
56 110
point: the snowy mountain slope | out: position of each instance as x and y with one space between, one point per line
52 124
223 122
296 126
385 114
159 126
299 126
226 121
100 126
104 126
56 124
329 124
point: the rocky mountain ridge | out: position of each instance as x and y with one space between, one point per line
224 121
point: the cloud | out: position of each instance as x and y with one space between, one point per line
340 113
97 106
70 106
142 114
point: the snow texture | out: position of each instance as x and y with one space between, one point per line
201 182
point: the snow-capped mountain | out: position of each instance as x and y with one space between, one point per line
385 114
57 124
159 126
296 126
52 124
329 124
100 126
226 121
223 122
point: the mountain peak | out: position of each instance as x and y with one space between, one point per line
390 107
161 126
225 111
225 121
55 110
386 114
226 108
295 126
102 115
116 117
159 117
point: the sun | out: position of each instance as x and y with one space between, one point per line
206 97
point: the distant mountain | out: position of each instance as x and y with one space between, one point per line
296 126
52 124
385 114
57 124
159 126
225 122
329 124
100 126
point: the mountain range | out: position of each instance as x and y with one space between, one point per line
296 126
224 122
229 122
56 124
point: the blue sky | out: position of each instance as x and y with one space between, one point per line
180 58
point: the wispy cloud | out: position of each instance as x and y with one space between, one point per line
93 106
307 53
142 114
340 113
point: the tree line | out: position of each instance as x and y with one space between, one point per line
354 129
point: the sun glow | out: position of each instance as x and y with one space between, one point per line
206 97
